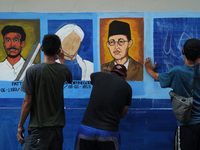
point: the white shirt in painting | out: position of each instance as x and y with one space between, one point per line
9 72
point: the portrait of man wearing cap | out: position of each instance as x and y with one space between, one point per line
119 42
13 42
71 37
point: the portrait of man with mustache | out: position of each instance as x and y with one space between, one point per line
119 42
13 42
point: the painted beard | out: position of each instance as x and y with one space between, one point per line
13 56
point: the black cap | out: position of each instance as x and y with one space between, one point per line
119 27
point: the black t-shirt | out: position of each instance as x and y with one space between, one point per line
109 95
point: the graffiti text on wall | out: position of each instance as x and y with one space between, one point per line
16 86
78 85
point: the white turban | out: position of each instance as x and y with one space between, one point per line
67 29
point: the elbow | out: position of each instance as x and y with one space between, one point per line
27 103
27 100
122 116
124 112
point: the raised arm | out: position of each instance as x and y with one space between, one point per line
150 68
60 56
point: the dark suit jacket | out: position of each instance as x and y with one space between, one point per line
134 72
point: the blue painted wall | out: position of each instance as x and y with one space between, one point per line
148 127
149 123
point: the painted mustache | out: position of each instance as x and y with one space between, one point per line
116 52
12 49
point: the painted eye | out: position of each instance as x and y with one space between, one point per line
121 42
16 40
8 40
111 42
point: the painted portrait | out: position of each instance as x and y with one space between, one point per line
170 34
77 44
122 42
20 45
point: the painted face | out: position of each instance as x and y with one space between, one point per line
118 46
12 44
71 44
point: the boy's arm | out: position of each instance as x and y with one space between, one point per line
60 56
124 111
26 107
150 68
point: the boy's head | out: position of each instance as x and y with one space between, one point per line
192 49
51 44
120 69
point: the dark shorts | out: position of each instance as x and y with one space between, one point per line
187 137
48 138
89 138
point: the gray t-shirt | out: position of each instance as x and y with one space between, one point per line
45 83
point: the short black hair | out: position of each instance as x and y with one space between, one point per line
14 28
51 44
192 49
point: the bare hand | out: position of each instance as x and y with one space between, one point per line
60 55
150 68
148 64
20 136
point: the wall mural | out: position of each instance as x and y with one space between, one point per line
95 42
20 44
76 38
170 35
124 37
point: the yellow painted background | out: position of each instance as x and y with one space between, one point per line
136 51
32 30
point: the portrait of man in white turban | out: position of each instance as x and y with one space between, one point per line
71 36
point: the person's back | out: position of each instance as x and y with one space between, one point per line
109 100
109 95
48 102
180 79
43 85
